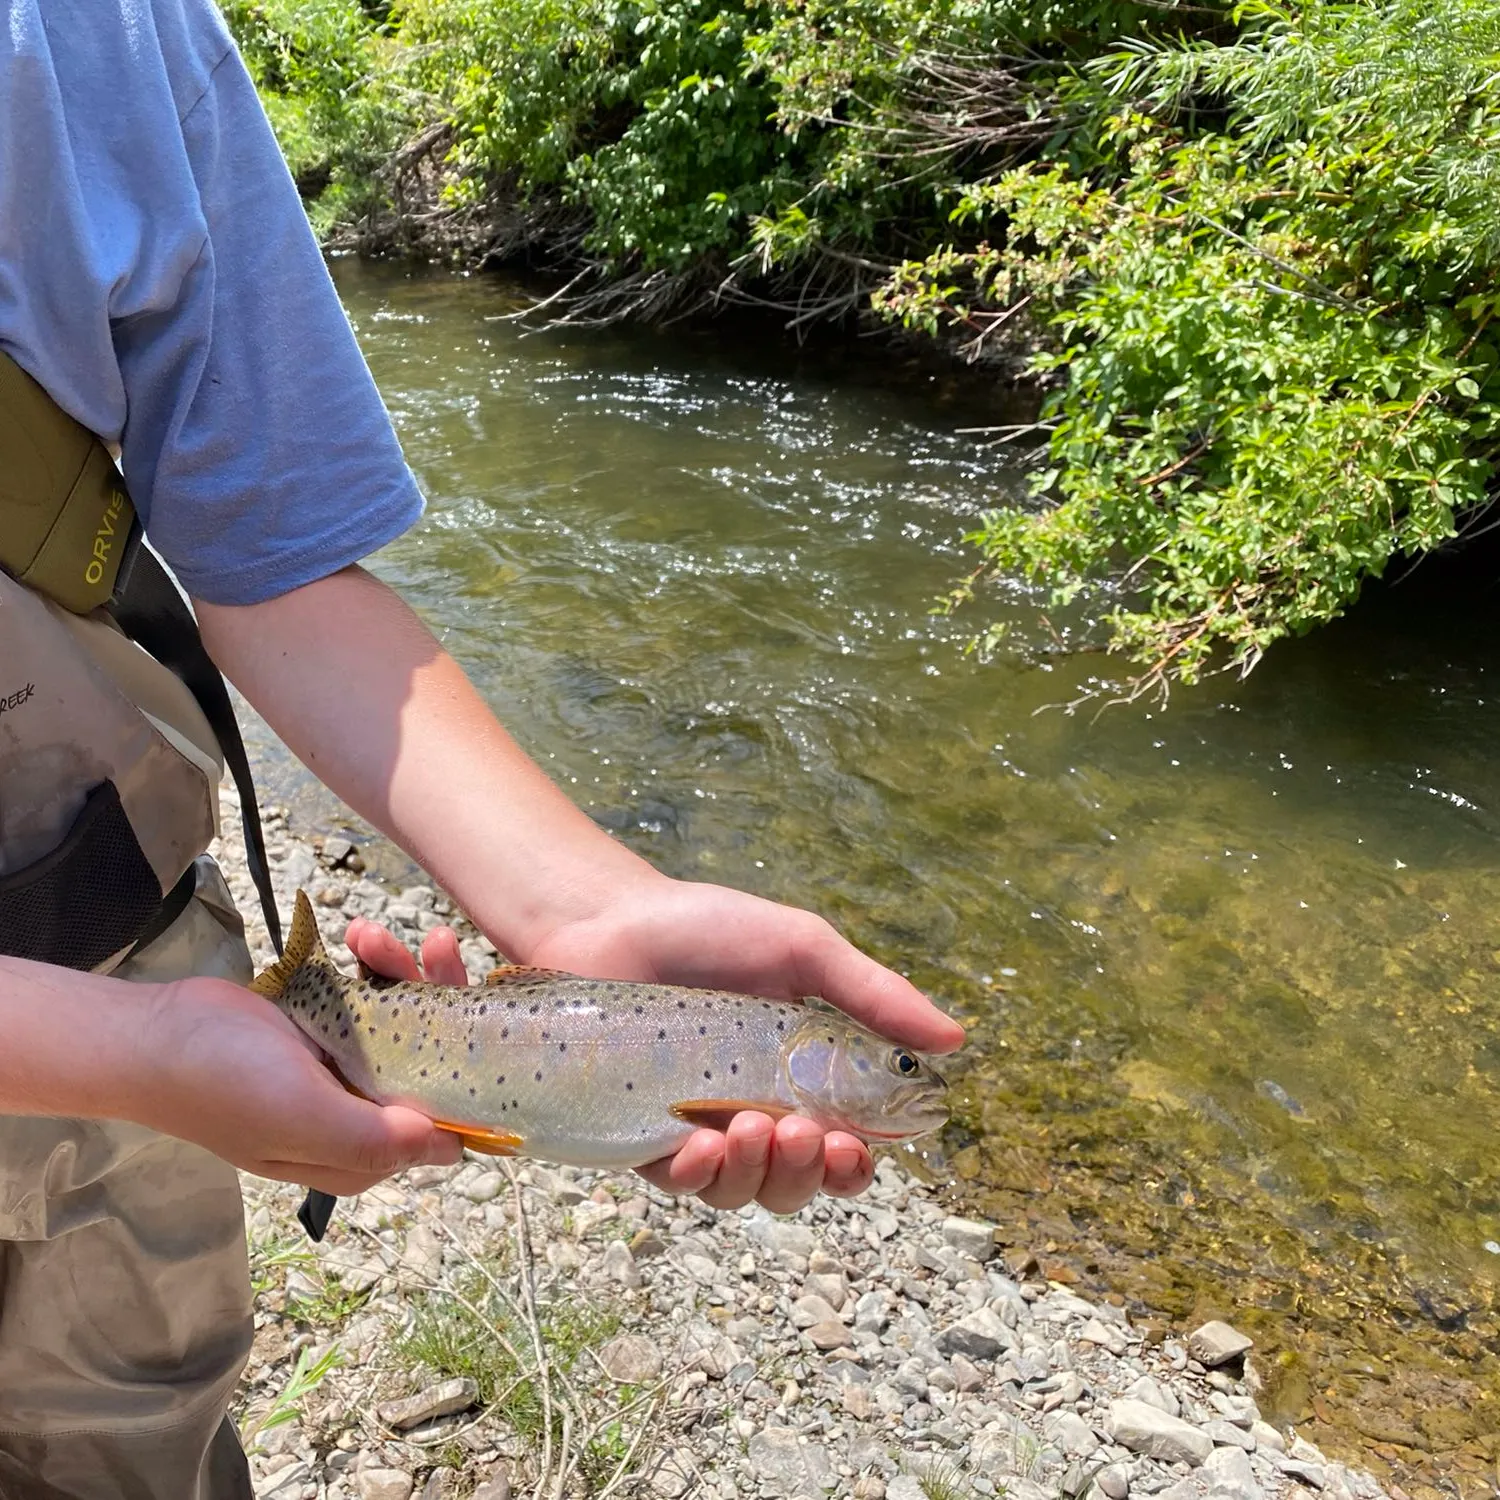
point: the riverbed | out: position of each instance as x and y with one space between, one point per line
1230 965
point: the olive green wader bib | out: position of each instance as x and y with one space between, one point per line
124 1288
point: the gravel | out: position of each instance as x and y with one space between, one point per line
877 1349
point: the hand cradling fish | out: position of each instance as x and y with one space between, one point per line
594 1072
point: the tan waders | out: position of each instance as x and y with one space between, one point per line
124 1289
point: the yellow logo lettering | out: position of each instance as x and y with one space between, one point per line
93 572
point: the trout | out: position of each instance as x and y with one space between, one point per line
594 1072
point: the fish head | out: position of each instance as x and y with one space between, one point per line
850 1079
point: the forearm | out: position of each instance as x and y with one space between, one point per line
70 1042
369 701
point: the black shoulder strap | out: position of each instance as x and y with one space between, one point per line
150 610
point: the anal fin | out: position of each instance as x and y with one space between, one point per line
715 1114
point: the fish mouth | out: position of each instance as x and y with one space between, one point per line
920 1107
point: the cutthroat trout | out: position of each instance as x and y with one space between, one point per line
594 1072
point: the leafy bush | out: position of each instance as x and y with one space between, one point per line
1250 254
1274 336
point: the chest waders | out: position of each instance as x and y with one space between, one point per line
124 1291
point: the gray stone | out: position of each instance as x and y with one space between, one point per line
588 1216
980 1335
631 1358
336 851
905 1487
705 1348
287 1483
1105 1335
970 1237
780 1236
1149 1430
969 1376
802 1470
1113 1481
809 1310
673 1474
1299 1468
1230 1476
829 1334
384 1484
1154 1394
1067 1431
484 1187
497 1487
1267 1438
619 1264
1216 1343
872 1312
1226 1434
426 1406
829 1286
703 1270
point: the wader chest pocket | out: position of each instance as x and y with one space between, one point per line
88 900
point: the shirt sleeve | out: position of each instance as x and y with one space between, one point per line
164 284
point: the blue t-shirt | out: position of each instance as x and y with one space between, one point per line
158 277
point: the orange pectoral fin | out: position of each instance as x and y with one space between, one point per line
481 1138
715 1114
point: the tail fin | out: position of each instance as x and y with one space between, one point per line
303 946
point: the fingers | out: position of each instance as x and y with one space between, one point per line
848 1168
796 1169
382 951
871 993
440 958
745 1160
783 1164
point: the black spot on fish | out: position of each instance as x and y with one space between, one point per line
510 1005
546 1036
629 1087
707 1073
344 1033
482 1009
661 1035
515 1104
372 1031
734 1067
500 1079
682 1005
781 1026
471 1091
379 1069
424 1072
535 1009
562 1046
739 1025
471 1046
455 1074
703 1031
504 1032
539 1075
396 1037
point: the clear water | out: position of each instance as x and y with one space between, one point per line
693 573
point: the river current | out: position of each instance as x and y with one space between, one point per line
1230 965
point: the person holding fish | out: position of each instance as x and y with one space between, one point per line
161 296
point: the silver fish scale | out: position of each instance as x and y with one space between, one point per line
584 1071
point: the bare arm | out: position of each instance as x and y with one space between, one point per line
368 700
203 1060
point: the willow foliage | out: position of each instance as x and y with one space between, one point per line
1249 253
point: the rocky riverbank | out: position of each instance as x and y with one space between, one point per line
500 1328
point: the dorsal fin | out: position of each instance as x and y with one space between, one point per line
523 974
303 946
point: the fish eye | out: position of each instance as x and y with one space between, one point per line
904 1063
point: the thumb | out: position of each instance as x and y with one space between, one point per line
351 1134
